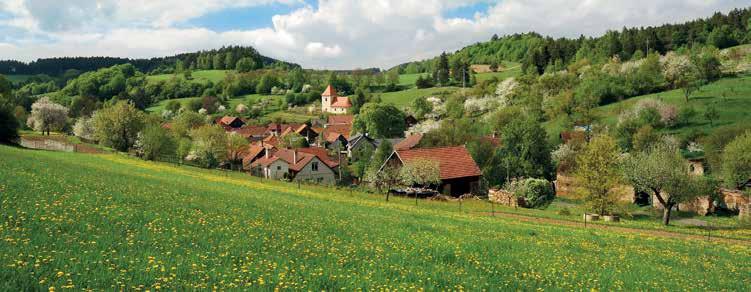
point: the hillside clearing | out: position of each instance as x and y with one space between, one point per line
112 222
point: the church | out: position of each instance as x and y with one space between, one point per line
332 103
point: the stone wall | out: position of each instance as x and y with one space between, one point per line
504 198
47 144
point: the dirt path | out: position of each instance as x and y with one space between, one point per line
655 233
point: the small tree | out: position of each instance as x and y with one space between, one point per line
117 126
663 172
736 161
597 173
236 144
293 141
711 114
47 115
688 80
84 129
155 141
421 172
387 179
210 145
421 107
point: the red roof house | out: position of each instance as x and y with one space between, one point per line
458 172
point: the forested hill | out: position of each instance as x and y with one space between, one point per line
224 58
541 53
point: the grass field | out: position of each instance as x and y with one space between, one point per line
115 223
405 97
199 75
158 107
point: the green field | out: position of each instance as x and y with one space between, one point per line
405 97
115 223
200 75
159 106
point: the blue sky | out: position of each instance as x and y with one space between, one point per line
332 34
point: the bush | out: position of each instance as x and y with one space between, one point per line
537 193
8 126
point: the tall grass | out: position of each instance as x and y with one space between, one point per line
112 222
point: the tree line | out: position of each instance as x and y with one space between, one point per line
219 59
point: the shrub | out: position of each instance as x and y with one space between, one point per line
537 193
8 126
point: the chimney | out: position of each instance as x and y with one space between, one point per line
294 156
266 153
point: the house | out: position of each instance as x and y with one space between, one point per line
251 133
358 144
458 172
296 165
332 103
334 141
408 143
253 153
275 129
307 132
230 122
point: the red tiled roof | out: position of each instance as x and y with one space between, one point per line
341 101
321 153
330 91
251 153
453 162
167 126
250 131
409 142
343 129
341 119
228 120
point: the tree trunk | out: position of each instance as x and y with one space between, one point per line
666 214
387 196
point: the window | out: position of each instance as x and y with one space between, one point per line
278 167
314 166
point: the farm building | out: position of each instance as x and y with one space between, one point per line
458 172
296 165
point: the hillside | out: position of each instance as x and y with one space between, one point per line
208 59
111 222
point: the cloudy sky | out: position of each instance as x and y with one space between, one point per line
332 34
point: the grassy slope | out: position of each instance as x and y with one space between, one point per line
733 107
112 222
404 98
200 75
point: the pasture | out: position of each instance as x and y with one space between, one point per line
112 222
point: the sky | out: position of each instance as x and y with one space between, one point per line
321 34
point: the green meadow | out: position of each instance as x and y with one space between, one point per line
199 75
110 222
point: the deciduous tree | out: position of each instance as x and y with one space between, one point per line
47 115
597 173
117 126
663 172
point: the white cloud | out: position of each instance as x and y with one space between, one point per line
316 49
335 34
